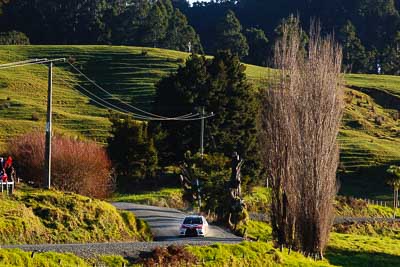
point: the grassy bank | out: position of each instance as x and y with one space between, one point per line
165 197
32 216
250 254
19 258
353 249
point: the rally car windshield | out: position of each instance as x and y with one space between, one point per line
192 220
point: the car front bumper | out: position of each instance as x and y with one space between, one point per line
191 232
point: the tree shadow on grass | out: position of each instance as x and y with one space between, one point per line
348 258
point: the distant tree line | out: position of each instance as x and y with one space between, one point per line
369 30
128 22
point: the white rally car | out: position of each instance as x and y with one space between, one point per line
194 226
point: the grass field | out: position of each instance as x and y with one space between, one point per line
369 138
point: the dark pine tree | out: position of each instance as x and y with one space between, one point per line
391 56
232 99
354 54
179 94
229 36
180 35
220 86
132 151
155 25
258 47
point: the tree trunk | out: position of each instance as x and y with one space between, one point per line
395 199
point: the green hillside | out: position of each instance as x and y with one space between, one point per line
370 136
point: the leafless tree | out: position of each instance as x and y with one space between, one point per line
300 118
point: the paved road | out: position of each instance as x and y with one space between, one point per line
342 220
164 224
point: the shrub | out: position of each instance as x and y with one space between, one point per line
170 256
35 117
13 38
77 166
144 53
379 120
395 115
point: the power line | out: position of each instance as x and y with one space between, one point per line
104 103
96 99
151 117
127 104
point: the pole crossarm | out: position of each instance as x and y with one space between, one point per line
30 62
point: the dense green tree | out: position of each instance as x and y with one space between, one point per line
258 47
13 38
132 152
180 35
128 26
132 22
231 99
179 94
155 26
354 54
229 36
220 86
57 21
391 56
377 21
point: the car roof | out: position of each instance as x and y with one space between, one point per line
194 216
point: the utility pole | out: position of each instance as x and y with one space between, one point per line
202 132
47 164
198 193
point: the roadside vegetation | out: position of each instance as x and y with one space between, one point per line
34 216
19 258
165 197
358 246
258 199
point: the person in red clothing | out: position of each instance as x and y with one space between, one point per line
8 167
3 176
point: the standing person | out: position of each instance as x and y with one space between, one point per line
1 162
8 166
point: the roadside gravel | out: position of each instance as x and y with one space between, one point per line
133 249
